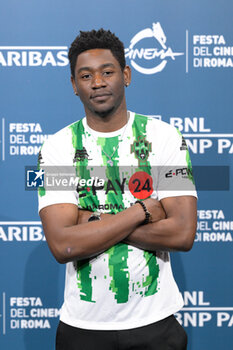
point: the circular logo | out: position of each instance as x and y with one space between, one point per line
141 185
158 54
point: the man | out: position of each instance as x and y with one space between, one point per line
120 292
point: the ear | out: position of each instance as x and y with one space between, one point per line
72 79
127 75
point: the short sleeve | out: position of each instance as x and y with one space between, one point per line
55 159
174 175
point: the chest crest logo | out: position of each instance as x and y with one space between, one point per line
141 149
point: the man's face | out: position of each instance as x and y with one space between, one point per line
99 81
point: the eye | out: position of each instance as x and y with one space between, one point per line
107 72
85 76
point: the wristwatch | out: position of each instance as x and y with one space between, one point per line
94 217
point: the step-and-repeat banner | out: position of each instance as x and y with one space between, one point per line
181 55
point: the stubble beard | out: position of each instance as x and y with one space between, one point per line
106 113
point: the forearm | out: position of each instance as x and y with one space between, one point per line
167 234
175 233
80 241
163 234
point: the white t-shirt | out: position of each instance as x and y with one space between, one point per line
123 287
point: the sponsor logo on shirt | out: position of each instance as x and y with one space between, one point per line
183 172
183 146
40 158
80 155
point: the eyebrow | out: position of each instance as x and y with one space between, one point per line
105 65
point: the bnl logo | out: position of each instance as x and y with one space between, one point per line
35 178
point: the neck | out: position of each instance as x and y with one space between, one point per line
111 122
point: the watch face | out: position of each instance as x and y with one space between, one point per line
93 218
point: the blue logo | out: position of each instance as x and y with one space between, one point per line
35 178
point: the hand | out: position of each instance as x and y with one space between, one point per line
155 208
84 215
152 205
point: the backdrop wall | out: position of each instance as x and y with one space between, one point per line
181 62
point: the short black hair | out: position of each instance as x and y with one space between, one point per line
96 39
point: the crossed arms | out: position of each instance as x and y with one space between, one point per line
70 237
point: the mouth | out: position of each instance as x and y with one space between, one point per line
100 96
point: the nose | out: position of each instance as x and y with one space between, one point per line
98 81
